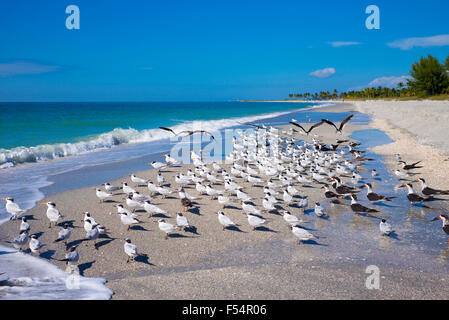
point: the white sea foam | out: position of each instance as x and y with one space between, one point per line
44 281
118 136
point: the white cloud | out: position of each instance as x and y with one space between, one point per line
323 73
390 82
410 43
343 43
23 67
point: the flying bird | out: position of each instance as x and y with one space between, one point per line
342 124
316 125
187 133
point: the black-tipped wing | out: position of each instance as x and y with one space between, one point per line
330 123
316 125
299 126
168 129
345 121
189 133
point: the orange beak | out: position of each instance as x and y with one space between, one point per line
417 180
3 198
44 204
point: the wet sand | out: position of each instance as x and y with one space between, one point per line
209 263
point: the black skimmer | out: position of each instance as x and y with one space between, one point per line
412 166
358 208
329 194
374 197
425 190
342 124
445 219
316 125
340 188
412 196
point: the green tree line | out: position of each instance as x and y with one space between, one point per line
428 77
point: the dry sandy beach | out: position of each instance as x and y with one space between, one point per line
209 263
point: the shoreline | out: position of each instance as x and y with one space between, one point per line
224 265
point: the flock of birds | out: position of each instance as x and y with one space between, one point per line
278 162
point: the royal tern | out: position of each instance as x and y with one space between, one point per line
166 227
225 221
53 214
102 195
13 208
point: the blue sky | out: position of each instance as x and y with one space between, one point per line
209 50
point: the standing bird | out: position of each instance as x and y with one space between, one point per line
24 225
133 204
13 208
128 220
157 165
109 187
255 221
408 167
224 220
427 191
357 208
182 221
102 195
319 210
291 219
342 124
152 209
34 244
53 214
130 250
64 234
127 189
160 178
186 203
72 256
302 234
19 241
137 180
92 234
166 227
385 228
374 197
412 196
445 219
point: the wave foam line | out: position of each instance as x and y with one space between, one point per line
116 137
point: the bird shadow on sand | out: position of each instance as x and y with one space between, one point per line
312 242
308 186
109 201
232 208
191 229
276 212
178 235
30 217
84 266
234 228
392 235
143 258
195 210
47 254
309 211
265 229
386 205
38 234
159 215
69 223
138 228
